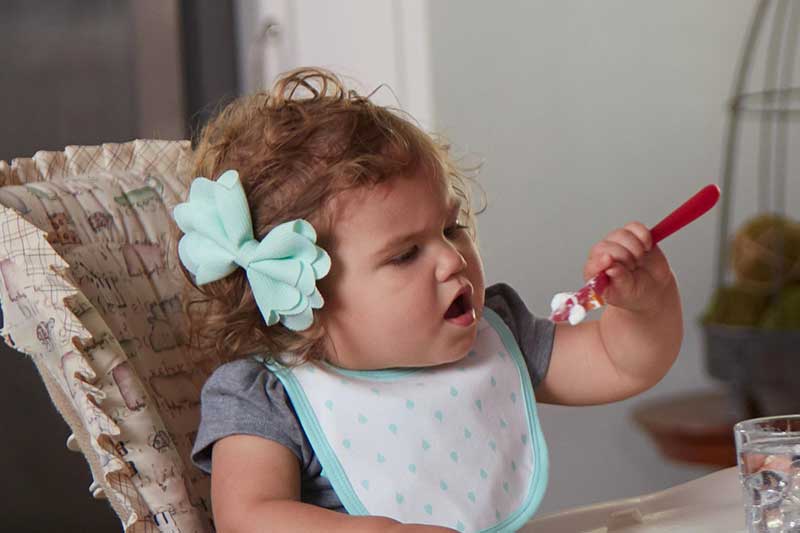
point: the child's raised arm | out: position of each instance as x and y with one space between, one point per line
637 338
255 486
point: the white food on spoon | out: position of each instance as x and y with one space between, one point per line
559 300
576 313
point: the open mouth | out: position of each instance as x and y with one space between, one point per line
461 311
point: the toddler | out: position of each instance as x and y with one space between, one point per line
375 382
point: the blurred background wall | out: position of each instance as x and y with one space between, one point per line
584 114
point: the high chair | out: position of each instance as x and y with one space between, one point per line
91 290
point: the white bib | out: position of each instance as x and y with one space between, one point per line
456 445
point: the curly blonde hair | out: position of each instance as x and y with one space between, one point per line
296 147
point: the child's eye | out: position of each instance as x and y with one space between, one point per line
452 231
406 257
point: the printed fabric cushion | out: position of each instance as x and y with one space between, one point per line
91 290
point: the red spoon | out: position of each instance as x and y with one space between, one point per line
573 306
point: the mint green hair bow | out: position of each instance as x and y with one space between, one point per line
282 269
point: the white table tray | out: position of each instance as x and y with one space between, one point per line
710 504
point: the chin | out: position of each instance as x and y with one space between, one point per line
462 349
458 358
446 359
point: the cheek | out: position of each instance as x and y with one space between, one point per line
377 303
404 307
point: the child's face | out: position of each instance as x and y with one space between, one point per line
390 300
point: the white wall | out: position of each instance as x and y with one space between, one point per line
588 115
369 43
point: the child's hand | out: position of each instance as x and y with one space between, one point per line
639 272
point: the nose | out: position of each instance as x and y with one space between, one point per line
450 262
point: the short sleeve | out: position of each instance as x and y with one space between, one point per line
533 335
243 397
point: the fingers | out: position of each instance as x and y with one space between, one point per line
635 265
621 279
641 232
597 263
626 245
634 237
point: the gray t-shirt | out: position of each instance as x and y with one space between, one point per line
243 397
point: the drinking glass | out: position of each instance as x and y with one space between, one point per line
768 452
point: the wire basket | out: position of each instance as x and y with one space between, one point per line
760 365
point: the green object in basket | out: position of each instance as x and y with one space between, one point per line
737 305
765 246
784 312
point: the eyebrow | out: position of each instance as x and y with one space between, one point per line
396 242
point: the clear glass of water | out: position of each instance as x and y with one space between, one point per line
768 451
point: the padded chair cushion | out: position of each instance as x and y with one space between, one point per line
91 290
